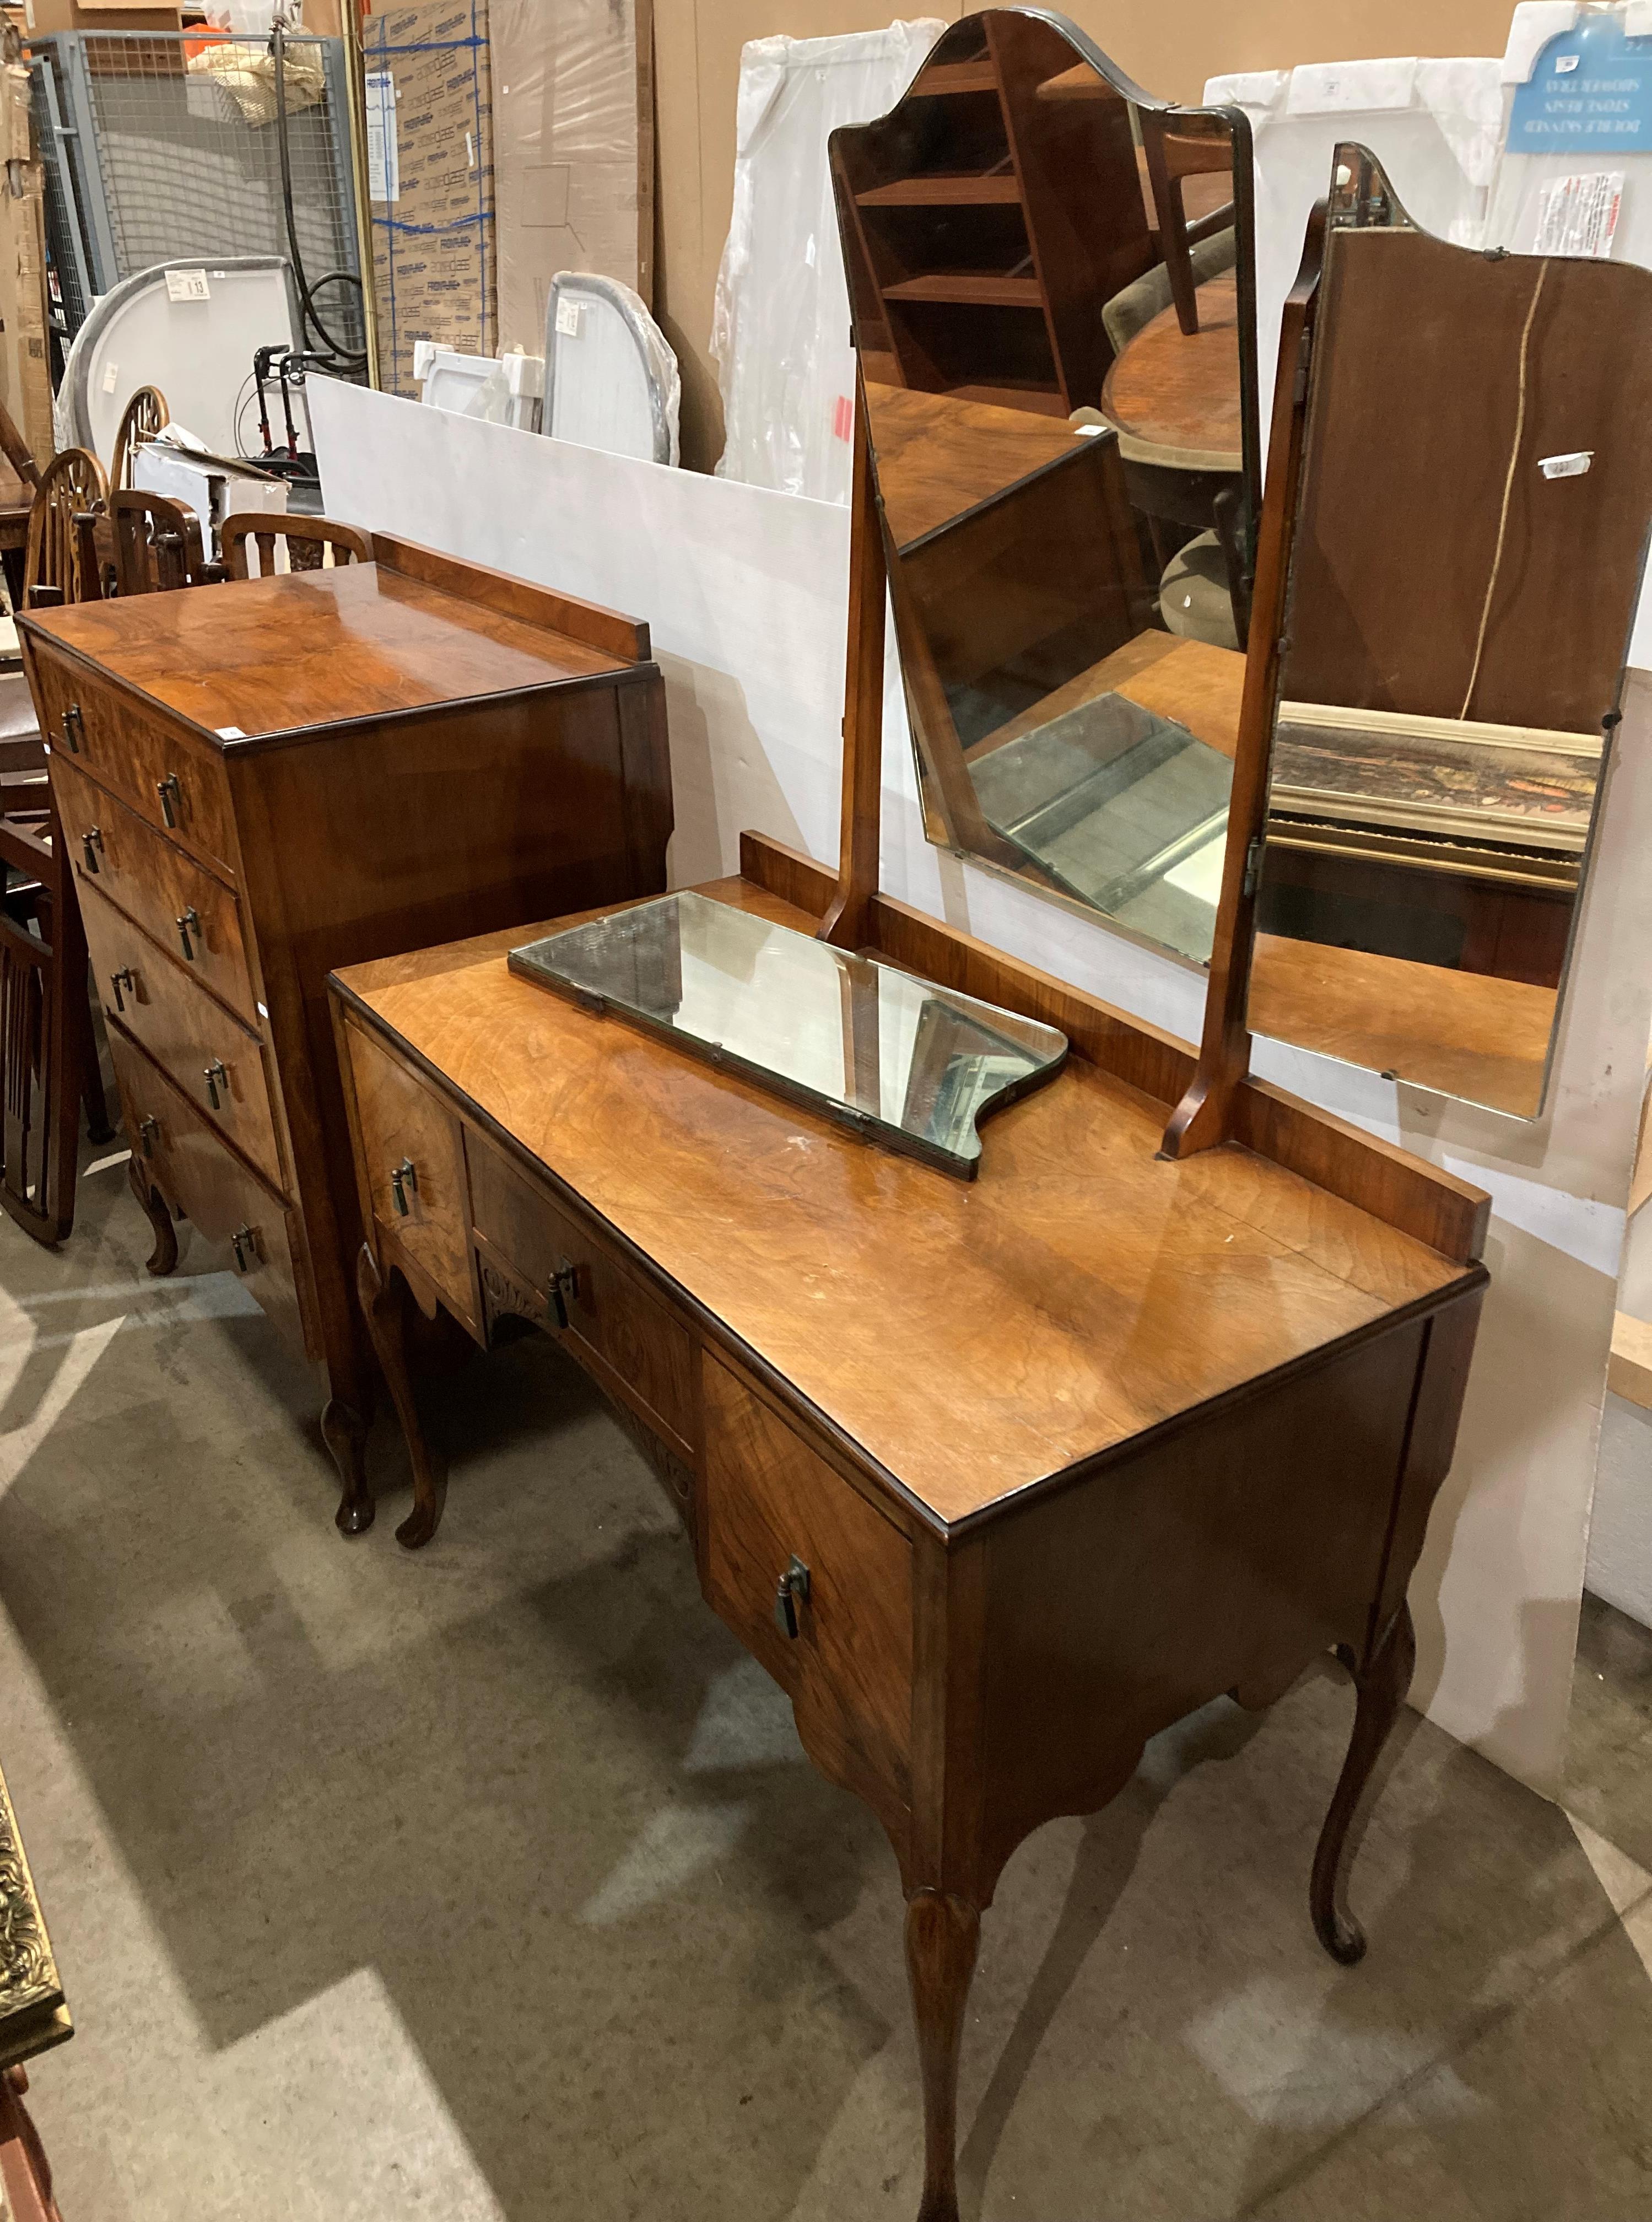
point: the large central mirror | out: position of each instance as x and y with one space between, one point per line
1469 530
1052 282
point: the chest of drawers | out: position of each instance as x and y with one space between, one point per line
262 781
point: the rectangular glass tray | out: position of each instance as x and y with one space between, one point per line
900 1061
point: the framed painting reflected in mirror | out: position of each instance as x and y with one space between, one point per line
1051 284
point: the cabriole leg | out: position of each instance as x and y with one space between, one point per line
386 1300
942 1936
1381 1684
164 1257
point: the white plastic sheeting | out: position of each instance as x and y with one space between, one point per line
612 380
780 325
1513 216
1435 126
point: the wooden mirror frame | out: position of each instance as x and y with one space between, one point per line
952 817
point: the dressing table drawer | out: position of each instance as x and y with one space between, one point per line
413 1164
182 906
213 1059
770 1504
639 1348
173 1146
171 782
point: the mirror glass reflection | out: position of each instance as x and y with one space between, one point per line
1470 525
1051 282
908 1064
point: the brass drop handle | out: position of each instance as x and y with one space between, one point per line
244 1243
73 730
564 1289
119 980
172 797
218 1083
188 924
148 1133
791 1591
404 1176
91 842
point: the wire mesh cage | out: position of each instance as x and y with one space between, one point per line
157 146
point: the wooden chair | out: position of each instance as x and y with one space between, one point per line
48 1054
71 485
144 415
157 543
1177 148
309 542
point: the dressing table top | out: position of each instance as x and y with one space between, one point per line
972 1340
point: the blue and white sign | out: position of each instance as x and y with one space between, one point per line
1591 89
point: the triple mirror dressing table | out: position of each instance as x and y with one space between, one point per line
998 1477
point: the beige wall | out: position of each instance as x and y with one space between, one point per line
1169 46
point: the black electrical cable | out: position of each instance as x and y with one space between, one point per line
347 358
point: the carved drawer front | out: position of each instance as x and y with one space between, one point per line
181 1153
580 1291
415 1169
177 785
789 1546
211 1058
184 908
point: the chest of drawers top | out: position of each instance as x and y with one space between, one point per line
387 639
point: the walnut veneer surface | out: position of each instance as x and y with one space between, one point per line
1077 1293
318 645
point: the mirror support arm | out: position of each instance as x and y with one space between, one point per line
847 921
1205 1116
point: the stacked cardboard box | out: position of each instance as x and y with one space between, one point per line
430 180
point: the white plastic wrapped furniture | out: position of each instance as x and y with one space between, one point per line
611 378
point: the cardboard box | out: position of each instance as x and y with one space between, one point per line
574 135
431 182
42 16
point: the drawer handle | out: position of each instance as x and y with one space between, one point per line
90 842
73 730
244 1243
405 1175
119 980
148 1133
172 798
217 1083
188 924
791 1591
564 1289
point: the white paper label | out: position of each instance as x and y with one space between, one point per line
1566 467
384 161
1578 216
568 318
187 286
111 376
231 733
1564 63
470 152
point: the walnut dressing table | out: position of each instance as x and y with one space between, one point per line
261 780
997 1479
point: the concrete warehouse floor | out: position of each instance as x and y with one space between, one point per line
491 1882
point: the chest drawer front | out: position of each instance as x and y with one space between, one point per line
770 1500
181 1154
174 784
214 1061
414 1161
603 1307
182 906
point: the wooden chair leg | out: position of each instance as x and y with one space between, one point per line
1381 1685
92 1096
386 1300
163 1258
943 1933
